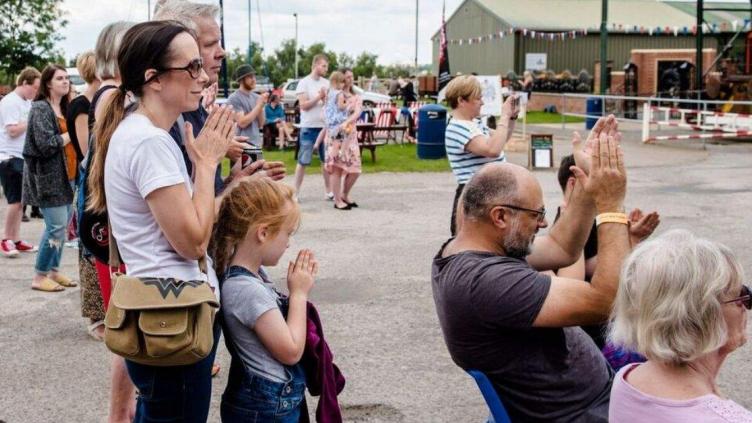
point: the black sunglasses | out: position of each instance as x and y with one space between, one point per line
540 214
193 68
745 297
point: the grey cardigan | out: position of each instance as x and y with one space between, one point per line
45 180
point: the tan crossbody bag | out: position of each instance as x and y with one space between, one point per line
159 321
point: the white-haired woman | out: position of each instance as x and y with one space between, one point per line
681 304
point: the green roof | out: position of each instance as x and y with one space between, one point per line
567 15
711 17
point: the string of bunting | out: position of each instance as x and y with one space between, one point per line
627 29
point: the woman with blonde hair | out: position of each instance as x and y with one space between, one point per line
469 142
681 304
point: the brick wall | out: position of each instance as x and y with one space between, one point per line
647 64
539 101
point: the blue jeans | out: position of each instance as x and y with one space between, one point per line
305 151
249 397
53 238
174 394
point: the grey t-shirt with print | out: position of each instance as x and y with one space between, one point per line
244 299
245 102
486 305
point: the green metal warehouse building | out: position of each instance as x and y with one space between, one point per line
495 36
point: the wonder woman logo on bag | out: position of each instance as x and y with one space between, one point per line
167 285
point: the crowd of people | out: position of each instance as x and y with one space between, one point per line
513 305
592 322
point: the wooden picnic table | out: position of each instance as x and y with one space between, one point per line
366 139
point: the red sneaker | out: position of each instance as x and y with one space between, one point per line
8 248
25 247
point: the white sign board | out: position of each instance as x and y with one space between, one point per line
491 92
536 61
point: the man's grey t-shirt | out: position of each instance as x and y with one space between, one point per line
245 102
487 305
244 299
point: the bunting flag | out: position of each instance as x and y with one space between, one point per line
444 75
744 25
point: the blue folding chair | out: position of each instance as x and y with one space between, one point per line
498 413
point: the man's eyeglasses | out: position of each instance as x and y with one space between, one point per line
745 297
193 68
540 214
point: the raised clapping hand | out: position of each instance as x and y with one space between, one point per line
642 225
606 125
209 96
301 274
607 182
213 140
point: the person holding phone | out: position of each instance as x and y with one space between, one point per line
470 143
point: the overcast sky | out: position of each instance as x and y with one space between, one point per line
384 27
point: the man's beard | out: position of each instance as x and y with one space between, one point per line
247 86
515 244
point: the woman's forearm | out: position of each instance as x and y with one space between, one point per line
203 200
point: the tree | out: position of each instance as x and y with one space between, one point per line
306 58
345 60
365 65
29 30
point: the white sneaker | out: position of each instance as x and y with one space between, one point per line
329 196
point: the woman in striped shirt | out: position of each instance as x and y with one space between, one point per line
469 143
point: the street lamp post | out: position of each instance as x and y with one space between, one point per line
296 45
250 46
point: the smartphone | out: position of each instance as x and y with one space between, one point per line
250 154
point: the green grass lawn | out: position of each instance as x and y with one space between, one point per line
389 158
543 117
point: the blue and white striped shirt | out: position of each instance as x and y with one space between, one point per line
464 163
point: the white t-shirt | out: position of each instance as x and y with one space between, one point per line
313 117
13 110
141 159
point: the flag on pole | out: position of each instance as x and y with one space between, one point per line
444 75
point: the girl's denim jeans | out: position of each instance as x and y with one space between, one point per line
53 238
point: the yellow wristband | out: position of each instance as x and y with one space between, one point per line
611 218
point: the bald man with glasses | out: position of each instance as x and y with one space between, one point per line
520 327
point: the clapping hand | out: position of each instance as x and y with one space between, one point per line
642 225
606 125
213 140
607 181
209 96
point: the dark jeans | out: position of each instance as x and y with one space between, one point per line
252 398
174 394
453 223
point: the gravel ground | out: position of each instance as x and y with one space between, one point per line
373 291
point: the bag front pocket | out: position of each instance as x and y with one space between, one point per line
166 330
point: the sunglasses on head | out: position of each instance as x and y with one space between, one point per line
745 297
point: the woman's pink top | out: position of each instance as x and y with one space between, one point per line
629 405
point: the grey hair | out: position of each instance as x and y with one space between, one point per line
668 306
184 12
488 187
106 50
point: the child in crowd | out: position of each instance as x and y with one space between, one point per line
335 114
265 331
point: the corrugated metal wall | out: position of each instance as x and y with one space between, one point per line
498 56
486 58
584 51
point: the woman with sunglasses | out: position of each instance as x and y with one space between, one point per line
160 216
681 304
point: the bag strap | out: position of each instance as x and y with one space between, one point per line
115 259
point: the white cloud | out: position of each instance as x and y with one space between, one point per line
383 27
